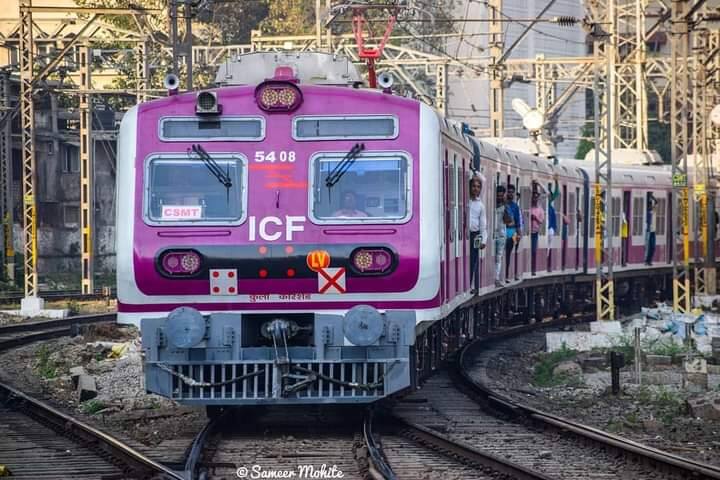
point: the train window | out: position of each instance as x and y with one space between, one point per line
180 190
333 128
177 129
638 216
374 188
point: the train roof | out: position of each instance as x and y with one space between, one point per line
317 68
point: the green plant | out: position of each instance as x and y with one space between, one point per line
93 406
543 373
45 367
73 307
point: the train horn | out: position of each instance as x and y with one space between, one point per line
385 80
171 82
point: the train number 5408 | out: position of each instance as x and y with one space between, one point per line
272 156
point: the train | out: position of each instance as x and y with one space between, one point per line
292 238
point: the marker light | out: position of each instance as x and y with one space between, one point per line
178 263
206 103
372 260
274 96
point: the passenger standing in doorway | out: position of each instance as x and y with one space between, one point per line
478 230
501 220
552 220
650 224
537 218
513 230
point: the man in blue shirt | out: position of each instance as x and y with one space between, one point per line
513 230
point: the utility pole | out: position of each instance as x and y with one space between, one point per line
6 197
495 43
87 184
174 36
31 301
142 70
188 45
679 43
603 111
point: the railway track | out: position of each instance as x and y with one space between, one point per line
633 451
40 441
13 297
455 422
19 334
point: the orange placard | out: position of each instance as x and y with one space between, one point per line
318 259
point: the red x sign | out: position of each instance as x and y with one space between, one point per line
331 280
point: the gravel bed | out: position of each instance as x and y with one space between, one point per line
121 407
656 415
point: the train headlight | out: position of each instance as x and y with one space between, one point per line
185 327
363 325
180 263
372 260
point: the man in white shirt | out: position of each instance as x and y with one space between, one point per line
478 230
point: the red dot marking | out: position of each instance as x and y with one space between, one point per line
216 274
289 249
231 274
216 289
231 289
290 272
262 250
263 273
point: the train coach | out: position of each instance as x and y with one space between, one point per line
292 238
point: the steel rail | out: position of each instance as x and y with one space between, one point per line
93 437
468 454
11 336
484 394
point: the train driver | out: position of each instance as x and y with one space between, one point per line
349 206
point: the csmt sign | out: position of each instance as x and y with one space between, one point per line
181 212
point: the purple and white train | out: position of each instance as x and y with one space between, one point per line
291 238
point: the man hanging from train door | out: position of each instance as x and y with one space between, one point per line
478 231
513 231
500 221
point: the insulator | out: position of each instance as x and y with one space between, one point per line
566 21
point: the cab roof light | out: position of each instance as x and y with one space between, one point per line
278 96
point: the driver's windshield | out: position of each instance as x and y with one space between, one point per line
184 190
374 186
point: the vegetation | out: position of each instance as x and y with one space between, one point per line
91 407
45 366
543 374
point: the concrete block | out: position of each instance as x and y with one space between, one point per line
31 306
75 374
706 407
658 360
713 369
567 369
605 326
581 341
695 382
659 378
696 365
86 388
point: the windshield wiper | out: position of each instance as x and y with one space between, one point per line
213 166
344 165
